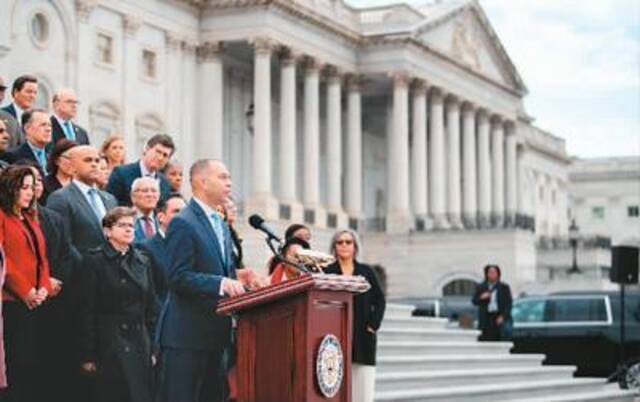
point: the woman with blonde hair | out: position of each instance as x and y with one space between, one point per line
368 311
113 149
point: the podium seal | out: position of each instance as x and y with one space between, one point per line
330 366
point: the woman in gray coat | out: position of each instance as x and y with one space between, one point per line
118 314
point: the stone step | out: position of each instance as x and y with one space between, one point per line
426 334
415 322
498 390
442 348
393 310
461 377
426 362
609 393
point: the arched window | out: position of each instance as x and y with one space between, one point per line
459 287
44 95
104 120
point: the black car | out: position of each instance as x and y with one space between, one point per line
578 328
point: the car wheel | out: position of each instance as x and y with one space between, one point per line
632 377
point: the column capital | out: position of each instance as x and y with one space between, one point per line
420 85
510 126
400 77
437 94
84 8
189 45
172 40
131 24
209 51
496 119
289 56
311 64
334 74
482 112
468 106
264 45
452 99
355 82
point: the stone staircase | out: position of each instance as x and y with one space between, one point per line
423 359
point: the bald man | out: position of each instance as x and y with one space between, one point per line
201 272
65 109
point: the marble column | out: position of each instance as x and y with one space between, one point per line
353 171
287 154
84 59
210 99
419 150
454 204
187 150
130 24
262 199
484 170
311 191
511 174
334 141
497 172
437 164
398 214
173 110
469 179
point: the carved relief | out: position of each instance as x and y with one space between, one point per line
208 51
84 9
264 45
131 24
464 44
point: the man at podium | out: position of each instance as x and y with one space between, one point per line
201 272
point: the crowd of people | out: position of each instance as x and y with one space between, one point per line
110 277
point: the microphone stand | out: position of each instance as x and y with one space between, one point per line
297 266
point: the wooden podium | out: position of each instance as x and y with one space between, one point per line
294 339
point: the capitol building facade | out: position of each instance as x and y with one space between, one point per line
407 124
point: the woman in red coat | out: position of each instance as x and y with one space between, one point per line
27 283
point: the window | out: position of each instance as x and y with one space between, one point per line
633 211
460 287
597 212
576 310
40 29
528 311
149 61
104 48
43 97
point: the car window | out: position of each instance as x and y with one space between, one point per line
528 311
572 310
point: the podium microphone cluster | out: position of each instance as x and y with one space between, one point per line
258 223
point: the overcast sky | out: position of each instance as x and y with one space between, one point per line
580 61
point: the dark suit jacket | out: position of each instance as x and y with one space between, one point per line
11 110
196 270
139 230
504 303
79 218
57 133
368 311
21 152
60 252
123 176
156 248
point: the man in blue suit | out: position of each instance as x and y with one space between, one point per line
145 194
24 92
157 153
201 272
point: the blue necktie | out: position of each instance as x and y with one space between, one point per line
93 197
68 130
217 228
42 159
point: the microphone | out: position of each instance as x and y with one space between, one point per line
257 222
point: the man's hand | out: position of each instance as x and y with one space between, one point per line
252 279
485 296
232 288
41 295
56 286
499 320
89 367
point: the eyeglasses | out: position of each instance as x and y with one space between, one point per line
344 242
145 190
124 225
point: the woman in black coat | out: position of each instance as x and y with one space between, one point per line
119 314
494 301
368 311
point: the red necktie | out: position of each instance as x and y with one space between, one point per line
147 227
